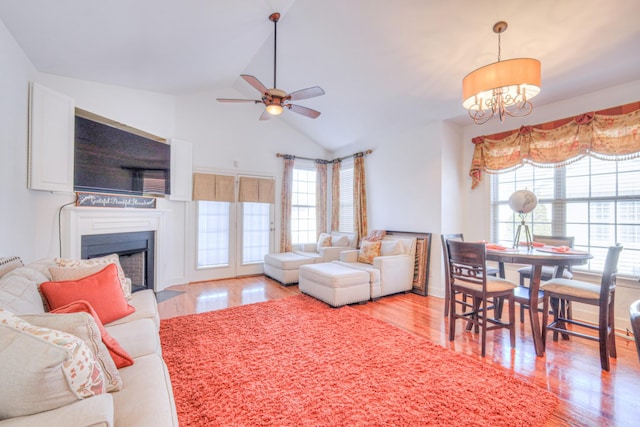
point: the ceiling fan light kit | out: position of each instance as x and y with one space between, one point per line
276 100
504 88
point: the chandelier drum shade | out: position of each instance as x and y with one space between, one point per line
504 88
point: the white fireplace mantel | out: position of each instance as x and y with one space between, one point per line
81 221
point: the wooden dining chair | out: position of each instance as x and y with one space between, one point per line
491 271
634 314
468 276
548 271
602 296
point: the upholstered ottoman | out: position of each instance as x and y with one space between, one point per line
283 267
334 284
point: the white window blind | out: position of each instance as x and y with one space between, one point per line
303 209
596 201
346 196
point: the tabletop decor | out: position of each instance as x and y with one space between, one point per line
522 202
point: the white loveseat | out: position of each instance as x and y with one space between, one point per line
145 397
391 272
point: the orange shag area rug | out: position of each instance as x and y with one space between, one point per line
297 362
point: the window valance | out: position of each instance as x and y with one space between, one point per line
259 190
216 188
612 134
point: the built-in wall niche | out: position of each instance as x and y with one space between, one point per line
110 157
52 131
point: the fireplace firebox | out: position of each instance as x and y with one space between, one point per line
136 251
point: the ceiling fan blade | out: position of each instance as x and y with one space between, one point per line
265 116
255 101
309 92
308 112
255 83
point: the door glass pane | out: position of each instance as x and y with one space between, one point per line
255 231
213 234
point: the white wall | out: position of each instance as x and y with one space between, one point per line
229 138
405 192
477 221
18 205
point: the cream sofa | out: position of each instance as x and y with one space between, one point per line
392 272
146 396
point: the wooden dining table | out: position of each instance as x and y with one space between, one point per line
536 257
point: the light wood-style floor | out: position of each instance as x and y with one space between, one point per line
570 369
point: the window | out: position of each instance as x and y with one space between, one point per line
303 204
596 201
213 234
256 227
346 196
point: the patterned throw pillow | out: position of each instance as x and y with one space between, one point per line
103 261
43 369
368 251
376 235
323 241
83 326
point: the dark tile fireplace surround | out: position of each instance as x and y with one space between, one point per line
136 251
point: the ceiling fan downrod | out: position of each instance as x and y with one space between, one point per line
274 17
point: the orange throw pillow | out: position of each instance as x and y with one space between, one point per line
118 354
102 290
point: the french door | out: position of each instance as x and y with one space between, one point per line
232 238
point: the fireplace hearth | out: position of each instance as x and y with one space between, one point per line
136 251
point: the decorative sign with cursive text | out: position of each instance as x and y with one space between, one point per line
115 201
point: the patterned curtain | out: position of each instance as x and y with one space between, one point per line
612 134
335 195
321 196
286 199
359 196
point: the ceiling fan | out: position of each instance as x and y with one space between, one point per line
276 100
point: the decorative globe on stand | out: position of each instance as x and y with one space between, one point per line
522 202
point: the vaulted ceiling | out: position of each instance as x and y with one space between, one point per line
381 63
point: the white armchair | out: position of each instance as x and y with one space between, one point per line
391 272
339 242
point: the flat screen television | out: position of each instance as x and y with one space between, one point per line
112 160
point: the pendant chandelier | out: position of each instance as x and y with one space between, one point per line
504 88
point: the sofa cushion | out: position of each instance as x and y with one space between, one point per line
64 370
146 399
118 354
83 326
138 337
368 251
146 307
323 241
109 259
19 291
9 263
391 247
102 290
94 412
339 238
